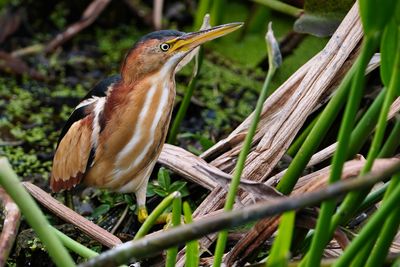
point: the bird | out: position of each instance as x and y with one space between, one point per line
115 134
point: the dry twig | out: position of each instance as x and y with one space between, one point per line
10 227
9 23
86 226
89 16
157 13
284 112
154 243
311 182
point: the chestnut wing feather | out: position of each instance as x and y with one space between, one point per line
74 153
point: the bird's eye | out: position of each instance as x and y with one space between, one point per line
164 47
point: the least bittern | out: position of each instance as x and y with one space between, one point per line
114 136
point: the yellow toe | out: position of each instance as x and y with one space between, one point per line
142 214
165 218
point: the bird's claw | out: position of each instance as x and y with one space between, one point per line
142 214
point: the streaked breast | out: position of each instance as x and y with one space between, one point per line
149 128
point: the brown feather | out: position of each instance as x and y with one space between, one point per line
121 126
71 157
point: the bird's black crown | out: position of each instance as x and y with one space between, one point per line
160 35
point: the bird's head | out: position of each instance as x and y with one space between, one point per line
161 51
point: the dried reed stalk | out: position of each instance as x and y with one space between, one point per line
311 182
10 227
93 230
284 113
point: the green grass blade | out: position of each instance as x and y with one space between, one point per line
365 126
152 219
180 115
321 235
192 247
281 7
392 142
203 8
375 222
280 251
355 198
274 59
74 246
373 197
176 220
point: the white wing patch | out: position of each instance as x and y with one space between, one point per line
99 107
87 102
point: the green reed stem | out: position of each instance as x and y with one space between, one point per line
230 199
185 101
321 235
373 197
217 11
388 232
365 126
353 199
361 257
192 247
392 142
151 244
10 182
176 221
280 251
203 8
75 246
364 254
152 219
274 61
375 222
281 7
396 262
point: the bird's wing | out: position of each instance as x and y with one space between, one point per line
98 91
75 149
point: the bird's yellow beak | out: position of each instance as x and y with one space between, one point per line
190 40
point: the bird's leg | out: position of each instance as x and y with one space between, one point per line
165 218
142 213
69 201
142 210
141 202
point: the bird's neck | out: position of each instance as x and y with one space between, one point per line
137 69
139 111
132 92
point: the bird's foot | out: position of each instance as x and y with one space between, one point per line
142 214
165 218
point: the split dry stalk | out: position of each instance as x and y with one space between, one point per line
90 14
154 243
65 213
10 226
284 112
